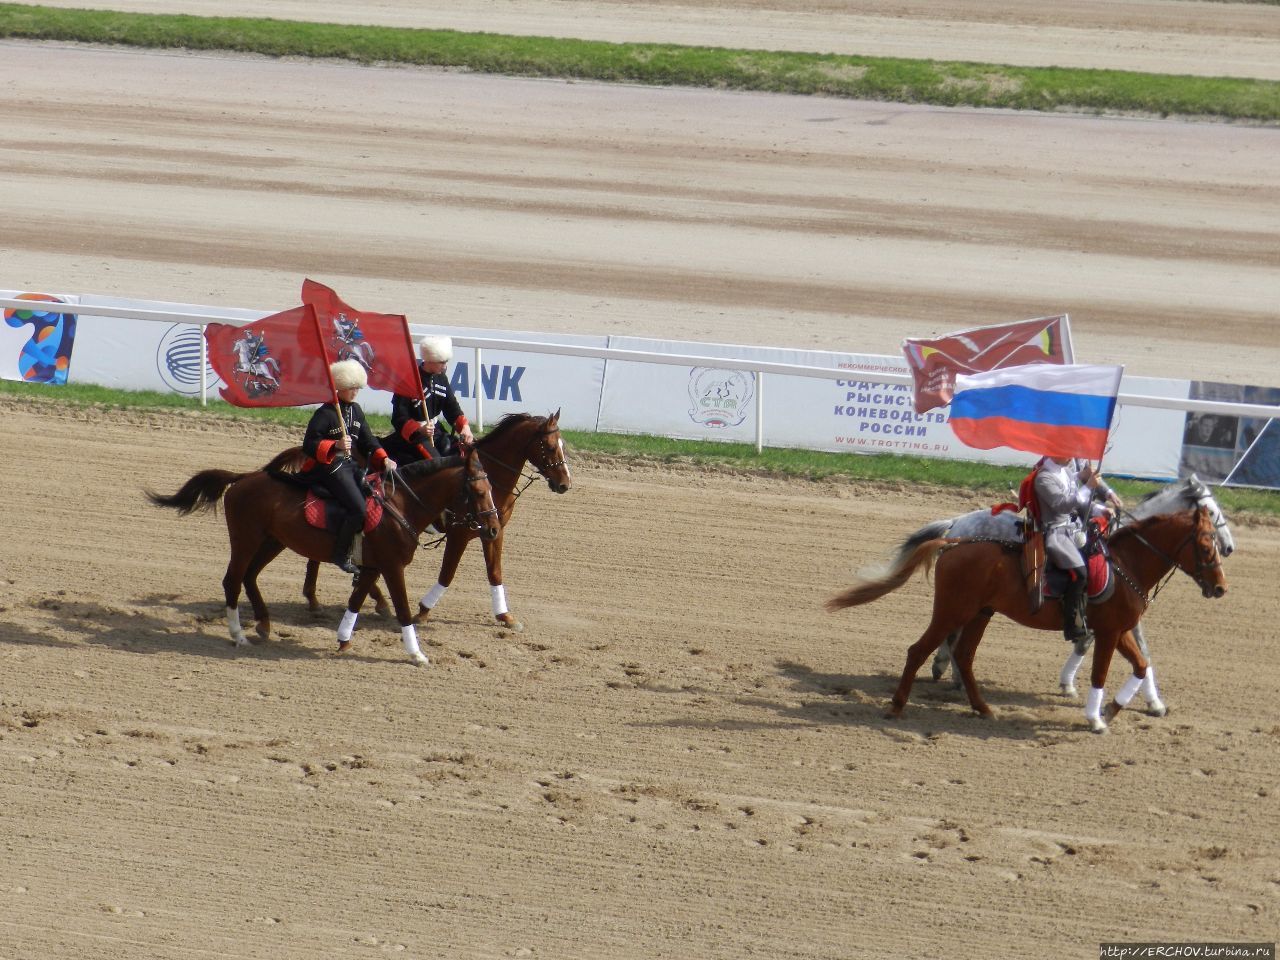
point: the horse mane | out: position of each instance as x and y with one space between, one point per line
506 424
1135 527
1174 497
287 461
420 468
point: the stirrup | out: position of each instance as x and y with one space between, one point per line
346 565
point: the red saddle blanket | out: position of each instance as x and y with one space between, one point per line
1099 577
317 510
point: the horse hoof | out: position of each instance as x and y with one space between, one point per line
422 614
937 672
1112 711
263 633
1157 708
383 609
1096 725
313 605
420 660
1069 690
510 622
343 647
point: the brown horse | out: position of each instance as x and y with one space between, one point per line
517 439
264 514
973 580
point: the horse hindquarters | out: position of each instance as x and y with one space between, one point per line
962 589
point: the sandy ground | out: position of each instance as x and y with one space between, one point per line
683 755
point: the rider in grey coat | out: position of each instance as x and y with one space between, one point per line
1066 489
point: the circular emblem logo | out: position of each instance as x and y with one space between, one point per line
178 360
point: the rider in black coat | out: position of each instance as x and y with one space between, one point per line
332 433
417 435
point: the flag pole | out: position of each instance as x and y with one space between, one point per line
417 377
324 352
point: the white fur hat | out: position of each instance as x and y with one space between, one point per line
348 375
436 348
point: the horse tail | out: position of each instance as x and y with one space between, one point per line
287 461
201 492
930 531
922 557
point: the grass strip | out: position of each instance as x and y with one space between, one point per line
945 83
988 484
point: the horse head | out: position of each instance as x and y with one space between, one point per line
546 455
1202 496
1207 572
482 515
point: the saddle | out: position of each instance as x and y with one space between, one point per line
321 512
1101 580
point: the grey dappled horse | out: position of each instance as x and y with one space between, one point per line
1005 527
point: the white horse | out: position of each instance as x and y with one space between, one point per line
251 362
1006 527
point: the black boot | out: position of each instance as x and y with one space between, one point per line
342 545
1075 625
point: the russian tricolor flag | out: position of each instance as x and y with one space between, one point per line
1057 411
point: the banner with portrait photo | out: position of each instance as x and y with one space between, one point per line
1235 451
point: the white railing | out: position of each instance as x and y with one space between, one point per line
758 367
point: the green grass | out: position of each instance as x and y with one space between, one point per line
867 78
988 484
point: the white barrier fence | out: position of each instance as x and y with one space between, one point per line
822 400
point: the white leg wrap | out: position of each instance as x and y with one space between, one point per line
1093 703
1149 691
1067 678
409 637
1127 690
499 594
432 596
234 628
347 626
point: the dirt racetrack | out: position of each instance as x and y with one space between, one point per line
682 755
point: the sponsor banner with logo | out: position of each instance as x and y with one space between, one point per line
851 414
146 354
35 345
512 381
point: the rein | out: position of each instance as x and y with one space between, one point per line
1201 564
540 470
471 517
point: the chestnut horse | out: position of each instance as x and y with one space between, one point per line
516 440
1005 525
975 579
264 514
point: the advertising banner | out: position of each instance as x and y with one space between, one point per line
512 381
146 354
848 413
1242 451
36 344
852 414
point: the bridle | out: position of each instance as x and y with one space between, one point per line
473 517
1207 559
470 518
542 469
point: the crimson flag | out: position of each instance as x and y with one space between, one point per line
379 341
935 363
278 361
